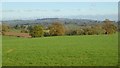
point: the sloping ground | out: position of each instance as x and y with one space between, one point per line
26 35
86 50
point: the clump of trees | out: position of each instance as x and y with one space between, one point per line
56 29
106 27
0 27
118 26
93 30
109 27
59 29
24 31
37 31
71 29
5 28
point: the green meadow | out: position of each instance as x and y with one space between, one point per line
86 50
0 51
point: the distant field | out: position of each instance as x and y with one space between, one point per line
88 50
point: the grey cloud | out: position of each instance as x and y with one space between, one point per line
78 9
56 10
10 10
32 10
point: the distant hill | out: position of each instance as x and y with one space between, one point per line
47 21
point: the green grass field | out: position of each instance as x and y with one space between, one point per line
0 51
88 50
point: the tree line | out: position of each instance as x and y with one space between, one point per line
59 29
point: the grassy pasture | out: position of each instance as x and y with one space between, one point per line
88 50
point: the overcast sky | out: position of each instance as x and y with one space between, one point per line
32 10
